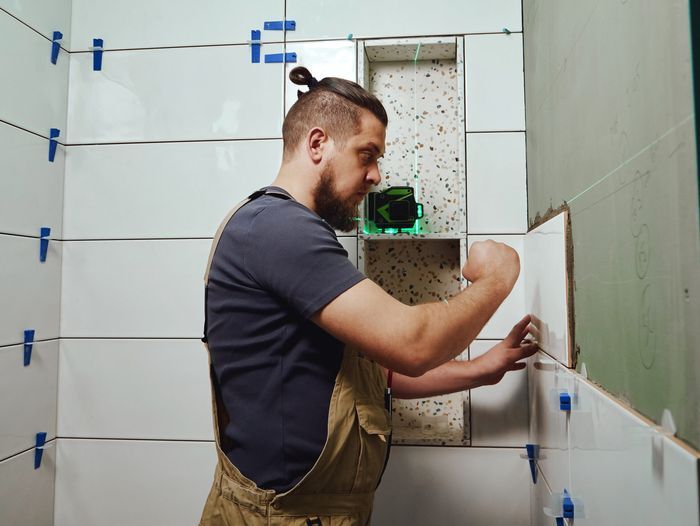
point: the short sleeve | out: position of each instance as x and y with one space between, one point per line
295 255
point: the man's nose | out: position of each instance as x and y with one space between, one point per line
374 176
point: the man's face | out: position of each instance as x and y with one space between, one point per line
350 173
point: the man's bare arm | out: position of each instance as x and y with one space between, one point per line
412 340
487 369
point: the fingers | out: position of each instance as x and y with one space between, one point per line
518 366
518 329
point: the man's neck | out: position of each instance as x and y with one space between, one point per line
290 178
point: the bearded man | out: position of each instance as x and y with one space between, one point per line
301 342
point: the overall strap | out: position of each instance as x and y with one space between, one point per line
220 231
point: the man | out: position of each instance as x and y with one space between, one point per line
300 341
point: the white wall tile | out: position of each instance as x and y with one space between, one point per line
155 389
140 483
512 309
45 16
548 424
29 290
475 486
337 19
546 288
624 470
162 190
499 413
27 396
36 97
495 82
496 183
31 187
175 94
322 59
134 289
158 23
26 494
350 244
540 495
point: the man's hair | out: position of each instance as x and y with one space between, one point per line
332 104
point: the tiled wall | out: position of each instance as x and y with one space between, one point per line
176 128
33 98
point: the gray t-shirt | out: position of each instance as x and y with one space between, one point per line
277 264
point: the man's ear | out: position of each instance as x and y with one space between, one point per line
316 143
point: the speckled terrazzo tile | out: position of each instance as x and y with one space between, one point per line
423 136
408 52
431 421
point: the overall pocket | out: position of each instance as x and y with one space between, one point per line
374 429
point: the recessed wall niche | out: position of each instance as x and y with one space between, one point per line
420 82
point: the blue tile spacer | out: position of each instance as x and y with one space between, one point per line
28 344
97 49
55 46
560 521
565 401
44 234
278 58
567 506
279 25
39 451
255 46
533 453
54 133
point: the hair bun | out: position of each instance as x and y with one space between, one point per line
302 76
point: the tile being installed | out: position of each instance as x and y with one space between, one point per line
43 16
625 470
175 94
423 143
547 286
415 272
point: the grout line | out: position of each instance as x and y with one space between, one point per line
137 239
494 131
30 27
132 338
172 141
29 131
18 344
191 46
395 37
14 455
116 439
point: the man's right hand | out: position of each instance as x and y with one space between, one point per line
490 259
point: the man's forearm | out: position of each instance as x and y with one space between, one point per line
445 330
450 377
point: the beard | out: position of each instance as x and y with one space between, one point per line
330 206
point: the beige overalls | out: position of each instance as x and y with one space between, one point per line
339 488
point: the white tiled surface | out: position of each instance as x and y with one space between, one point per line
159 23
548 424
625 471
512 309
540 495
155 389
45 16
162 190
134 289
499 413
36 97
546 286
337 19
26 494
27 396
495 82
350 244
139 483
496 183
475 486
322 59
31 188
175 94
29 289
